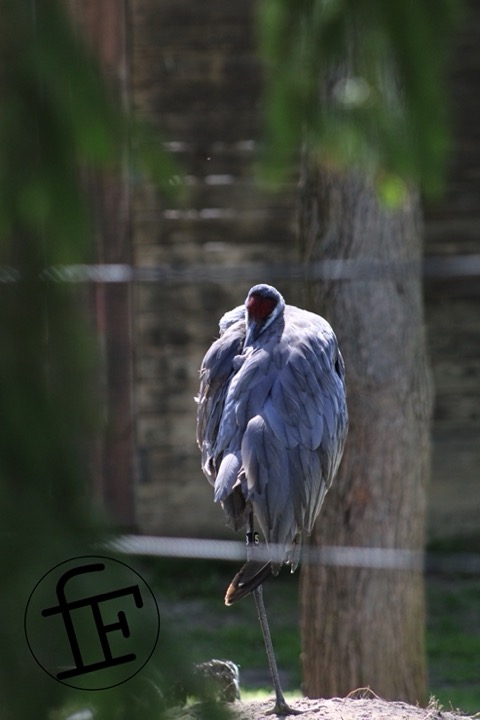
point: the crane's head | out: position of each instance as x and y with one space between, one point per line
263 305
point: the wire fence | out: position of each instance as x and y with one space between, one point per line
458 266
432 267
347 557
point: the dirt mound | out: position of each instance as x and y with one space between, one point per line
349 708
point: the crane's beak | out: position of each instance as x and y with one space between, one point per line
253 331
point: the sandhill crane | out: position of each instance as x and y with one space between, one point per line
271 425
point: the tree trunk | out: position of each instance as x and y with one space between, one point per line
104 24
365 627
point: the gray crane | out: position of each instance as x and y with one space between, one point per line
271 425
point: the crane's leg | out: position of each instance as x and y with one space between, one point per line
281 707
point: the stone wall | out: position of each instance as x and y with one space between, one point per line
453 304
195 76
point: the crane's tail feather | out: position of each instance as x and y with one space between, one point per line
249 577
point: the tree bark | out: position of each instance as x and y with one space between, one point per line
365 627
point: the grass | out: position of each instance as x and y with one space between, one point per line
453 631
192 605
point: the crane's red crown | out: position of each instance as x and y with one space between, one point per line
263 302
259 307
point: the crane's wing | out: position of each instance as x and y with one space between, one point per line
214 422
292 445
216 370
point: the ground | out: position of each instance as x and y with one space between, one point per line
359 708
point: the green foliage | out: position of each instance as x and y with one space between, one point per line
54 116
361 83
453 641
57 121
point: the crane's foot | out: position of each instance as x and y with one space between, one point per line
283 708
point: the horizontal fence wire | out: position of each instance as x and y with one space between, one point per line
331 269
351 557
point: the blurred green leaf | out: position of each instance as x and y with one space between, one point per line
57 122
361 82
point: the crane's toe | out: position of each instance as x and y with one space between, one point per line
283 708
